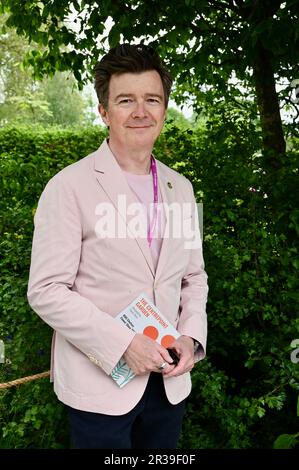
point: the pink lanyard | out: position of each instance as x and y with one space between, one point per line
155 184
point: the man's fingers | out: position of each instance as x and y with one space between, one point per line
166 356
174 371
179 369
168 368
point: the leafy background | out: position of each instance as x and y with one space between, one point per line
235 61
244 394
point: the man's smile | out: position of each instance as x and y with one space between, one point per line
140 127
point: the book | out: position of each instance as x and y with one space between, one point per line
142 316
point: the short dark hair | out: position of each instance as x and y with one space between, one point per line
129 58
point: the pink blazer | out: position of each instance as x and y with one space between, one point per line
79 282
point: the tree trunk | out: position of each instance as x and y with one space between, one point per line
268 106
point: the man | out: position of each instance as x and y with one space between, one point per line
80 278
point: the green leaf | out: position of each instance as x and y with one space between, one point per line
114 36
286 441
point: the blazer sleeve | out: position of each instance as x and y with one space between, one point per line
194 290
56 251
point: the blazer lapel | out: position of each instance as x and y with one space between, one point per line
114 183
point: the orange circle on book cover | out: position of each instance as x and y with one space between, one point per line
151 332
167 341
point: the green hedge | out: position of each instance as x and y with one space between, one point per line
245 392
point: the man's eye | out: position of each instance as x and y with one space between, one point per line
153 100
125 100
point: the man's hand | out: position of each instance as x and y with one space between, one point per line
144 355
184 347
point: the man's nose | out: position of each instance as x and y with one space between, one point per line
140 110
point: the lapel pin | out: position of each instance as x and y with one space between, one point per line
169 184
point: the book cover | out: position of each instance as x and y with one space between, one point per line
142 316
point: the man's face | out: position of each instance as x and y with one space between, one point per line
136 109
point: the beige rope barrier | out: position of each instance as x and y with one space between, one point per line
13 383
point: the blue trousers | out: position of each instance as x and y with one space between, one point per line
153 423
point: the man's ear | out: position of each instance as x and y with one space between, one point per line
104 114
